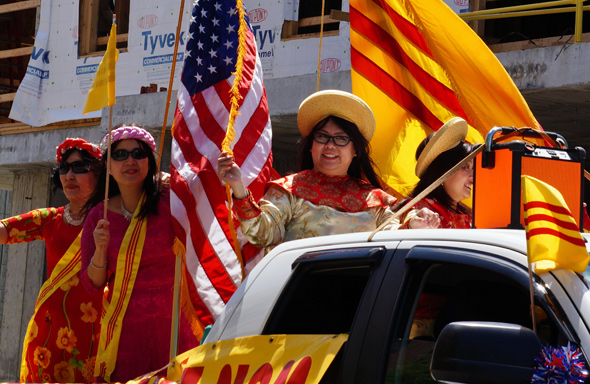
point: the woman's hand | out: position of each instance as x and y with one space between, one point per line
101 234
424 219
97 269
230 173
164 181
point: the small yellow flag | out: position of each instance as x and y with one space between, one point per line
553 238
102 90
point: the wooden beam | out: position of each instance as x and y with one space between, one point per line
123 37
17 52
340 15
19 6
316 20
7 97
16 128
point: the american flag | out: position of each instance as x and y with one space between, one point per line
198 199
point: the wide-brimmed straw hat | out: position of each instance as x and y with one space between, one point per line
447 137
337 103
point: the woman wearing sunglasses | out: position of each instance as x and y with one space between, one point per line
60 344
131 253
336 191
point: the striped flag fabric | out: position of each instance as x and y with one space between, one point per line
417 65
198 198
553 238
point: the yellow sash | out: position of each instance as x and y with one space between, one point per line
68 266
114 312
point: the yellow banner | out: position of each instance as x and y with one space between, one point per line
102 90
272 359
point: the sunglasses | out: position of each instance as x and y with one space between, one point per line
122 154
322 138
76 166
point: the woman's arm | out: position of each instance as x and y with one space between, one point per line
97 268
264 223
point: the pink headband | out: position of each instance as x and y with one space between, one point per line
79 144
129 132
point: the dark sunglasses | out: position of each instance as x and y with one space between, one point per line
322 138
122 154
77 167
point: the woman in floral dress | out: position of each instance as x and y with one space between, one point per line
61 340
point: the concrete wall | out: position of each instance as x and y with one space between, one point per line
25 273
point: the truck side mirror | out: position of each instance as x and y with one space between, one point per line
484 352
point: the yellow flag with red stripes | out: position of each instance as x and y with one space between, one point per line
553 238
102 90
417 65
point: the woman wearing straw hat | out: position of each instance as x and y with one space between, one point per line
435 155
336 190
66 319
135 330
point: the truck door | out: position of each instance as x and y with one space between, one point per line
428 287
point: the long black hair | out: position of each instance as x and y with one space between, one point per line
361 167
94 166
151 183
436 169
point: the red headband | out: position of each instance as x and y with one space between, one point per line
79 144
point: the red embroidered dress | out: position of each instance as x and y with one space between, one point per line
309 204
61 342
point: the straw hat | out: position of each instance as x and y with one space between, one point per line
447 137
337 103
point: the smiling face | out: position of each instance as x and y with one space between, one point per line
458 186
129 172
77 186
330 159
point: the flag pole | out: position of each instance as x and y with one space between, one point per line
317 88
531 290
530 270
230 133
178 260
170 82
106 189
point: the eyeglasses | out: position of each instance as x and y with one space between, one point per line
78 167
122 154
322 138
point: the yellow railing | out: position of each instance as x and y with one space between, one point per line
532 10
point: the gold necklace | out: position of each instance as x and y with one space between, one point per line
69 219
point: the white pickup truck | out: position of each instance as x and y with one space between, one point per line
394 296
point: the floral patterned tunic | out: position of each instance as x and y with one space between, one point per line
309 204
62 339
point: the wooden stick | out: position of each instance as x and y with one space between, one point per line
106 192
425 192
163 135
533 317
178 266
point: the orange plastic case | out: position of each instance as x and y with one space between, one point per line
497 198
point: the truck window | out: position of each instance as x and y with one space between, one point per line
440 293
322 296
